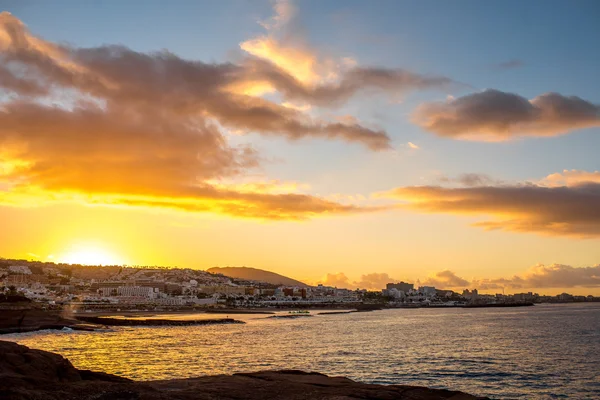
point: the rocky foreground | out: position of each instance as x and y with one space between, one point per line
39 375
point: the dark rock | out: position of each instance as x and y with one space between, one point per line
28 374
27 319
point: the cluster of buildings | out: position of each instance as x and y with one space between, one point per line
406 293
114 287
403 292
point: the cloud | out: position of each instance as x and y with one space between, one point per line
285 12
537 277
260 186
121 78
548 210
372 281
283 61
355 81
558 275
109 125
571 178
284 46
510 64
493 115
288 206
445 279
338 279
470 180
546 276
412 146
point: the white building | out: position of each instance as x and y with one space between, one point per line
395 293
136 291
427 290
20 269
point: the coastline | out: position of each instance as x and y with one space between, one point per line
29 374
100 321
21 320
29 319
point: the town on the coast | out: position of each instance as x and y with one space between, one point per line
121 288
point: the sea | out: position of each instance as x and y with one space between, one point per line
549 351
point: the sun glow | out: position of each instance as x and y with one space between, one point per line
90 255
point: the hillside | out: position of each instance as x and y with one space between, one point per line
255 274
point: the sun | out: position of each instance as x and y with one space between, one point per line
90 255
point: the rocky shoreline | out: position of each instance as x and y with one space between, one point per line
19 320
28 319
156 322
29 374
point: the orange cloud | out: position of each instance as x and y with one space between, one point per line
119 159
270 186
560 211
493 115
115 77
546 276
571 178
338 279
145 129
444 280
537 277
372 281
282 60
298 63
285 47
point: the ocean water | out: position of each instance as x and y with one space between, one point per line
541 352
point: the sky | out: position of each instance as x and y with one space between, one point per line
348 143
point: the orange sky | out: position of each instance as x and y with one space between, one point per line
290 156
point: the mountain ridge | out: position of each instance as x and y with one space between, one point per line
256 274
